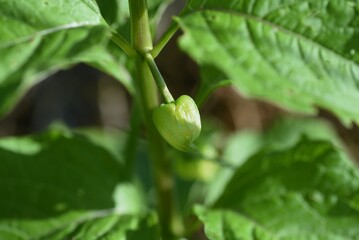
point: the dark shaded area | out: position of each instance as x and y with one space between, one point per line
350 136
74 97
108 11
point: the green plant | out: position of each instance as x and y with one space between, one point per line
293 181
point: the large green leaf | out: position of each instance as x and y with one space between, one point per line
308 191
298 54
282 134
61 185
40 37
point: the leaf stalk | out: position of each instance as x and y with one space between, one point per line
120 41
161 84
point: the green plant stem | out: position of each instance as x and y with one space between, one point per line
140 28
120 41
161 84
147 93
131 142
172 29
205 91
164 39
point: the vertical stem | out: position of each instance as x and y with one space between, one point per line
147 92
131 142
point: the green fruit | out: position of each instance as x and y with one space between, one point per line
179 123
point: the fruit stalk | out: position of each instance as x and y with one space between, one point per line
161 84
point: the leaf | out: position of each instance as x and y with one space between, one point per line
147 229
111 10
297 54
63 185
111 226
227 225
307 191
284 133
40 37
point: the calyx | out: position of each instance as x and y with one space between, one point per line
179 123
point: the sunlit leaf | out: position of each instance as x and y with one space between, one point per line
297 54
308 191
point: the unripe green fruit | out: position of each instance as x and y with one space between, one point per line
179 123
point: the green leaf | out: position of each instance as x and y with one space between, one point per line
62 185
111 10
146 229
307 191
298 54
40 37
228 225
110 226
282 134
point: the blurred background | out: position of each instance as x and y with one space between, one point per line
85 97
